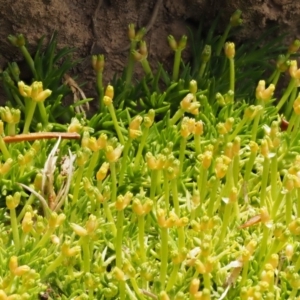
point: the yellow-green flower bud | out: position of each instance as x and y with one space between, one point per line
27 222
91 225
112 155
294 71
194 286
294 47
98 62
149 118
118 274
18 40
236 19
75 126
131 32
229 50
206 54
193 87
182 43
172 42
6 167
101 174
79 230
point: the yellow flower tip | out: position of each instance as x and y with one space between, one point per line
107 101
131 31
161 217
101 174
91 225
22 270
193 87
199 128
229 50
118 274
137 207
27 222
163 296
136 123
98 62
79 230
24 89
172 42
293 70
75 126
112 154
13 263
186 101
55 239
102 141
109 92
194 286
42 96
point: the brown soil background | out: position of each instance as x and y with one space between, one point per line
100 26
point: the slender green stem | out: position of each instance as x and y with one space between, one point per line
231 74
30 61
213 196
222 40
176 65
276 204
92 164
245 273
113 186
4 149
86 253
264 181
290 102
206 278
225 223
276 77
15 231
130 65
116 124
238 128
202 69
141 225
291 123
43 113
77 183
263 243
180 230
119 238
298 202
255 127
146 67
140 149
11 129
118 249
163 256
273 174
29 115
183 142
176 117
166 191
100 90
124 164
54 264
288 208
286 94
295 130
197 140
173 277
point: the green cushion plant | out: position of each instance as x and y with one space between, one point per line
179 192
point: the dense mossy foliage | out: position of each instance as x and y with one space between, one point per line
181 186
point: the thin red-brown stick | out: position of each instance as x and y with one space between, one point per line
41 136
